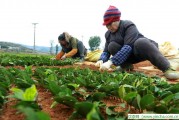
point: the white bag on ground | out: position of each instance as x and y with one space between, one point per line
171 53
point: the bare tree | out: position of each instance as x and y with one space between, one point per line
56 49
51 46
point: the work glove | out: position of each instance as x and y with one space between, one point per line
99 63
63 57
106 65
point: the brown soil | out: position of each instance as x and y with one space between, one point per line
62 112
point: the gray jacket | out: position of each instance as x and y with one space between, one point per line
127 34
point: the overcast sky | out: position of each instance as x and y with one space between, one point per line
155 19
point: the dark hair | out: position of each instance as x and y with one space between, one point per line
61 37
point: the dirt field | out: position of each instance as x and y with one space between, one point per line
61 112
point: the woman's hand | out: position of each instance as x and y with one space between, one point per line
106 65
63 57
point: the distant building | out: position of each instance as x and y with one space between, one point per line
10 48
13 48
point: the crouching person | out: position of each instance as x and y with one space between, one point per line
71 47
128 46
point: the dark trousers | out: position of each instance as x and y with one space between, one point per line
143 49
82 51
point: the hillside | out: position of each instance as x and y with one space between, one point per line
43 48
8 46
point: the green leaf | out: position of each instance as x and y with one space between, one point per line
11 63
3 91
121 91
174 88
29 113
42 116
138 98
24 80
52 77
168 98
176 97
65 92
33 115
25 76
146 100
129 97
73 116
30 94
54 87
21 83
31 104
82 90
93 115
73 86
136 102
105 88
48 71
110 110
54 104
138 83
98 96
18 93
29 70
174 110
5 61
123 105
165 94
128 86
125 76
116 118
160 109
66 100
83 108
